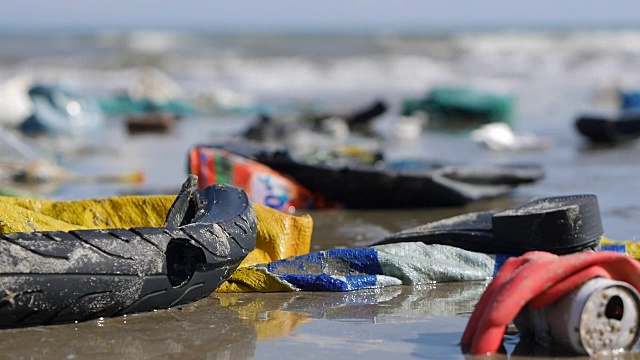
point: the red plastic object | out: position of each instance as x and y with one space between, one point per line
537 278
263 185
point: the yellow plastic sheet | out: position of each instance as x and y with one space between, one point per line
19 214
279 235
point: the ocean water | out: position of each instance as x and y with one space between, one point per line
551 73
554 75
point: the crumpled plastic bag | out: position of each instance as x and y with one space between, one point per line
408 263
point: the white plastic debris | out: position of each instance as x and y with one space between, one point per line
15 104
499 136
410 127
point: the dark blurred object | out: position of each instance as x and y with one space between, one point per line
360 119
267 127
611 130
153 122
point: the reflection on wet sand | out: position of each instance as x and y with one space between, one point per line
401 321
265 314
203 330
228 325
424 319
277 314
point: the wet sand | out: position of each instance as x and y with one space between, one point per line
402 322
394 321
424 321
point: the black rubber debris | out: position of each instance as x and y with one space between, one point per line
559 225
59 277
385 184
610 130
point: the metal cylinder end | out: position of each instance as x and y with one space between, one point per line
600 317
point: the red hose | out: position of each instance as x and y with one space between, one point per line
537 278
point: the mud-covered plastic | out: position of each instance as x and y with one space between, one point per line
56 277
354 183
560 225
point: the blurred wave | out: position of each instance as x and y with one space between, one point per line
561 70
